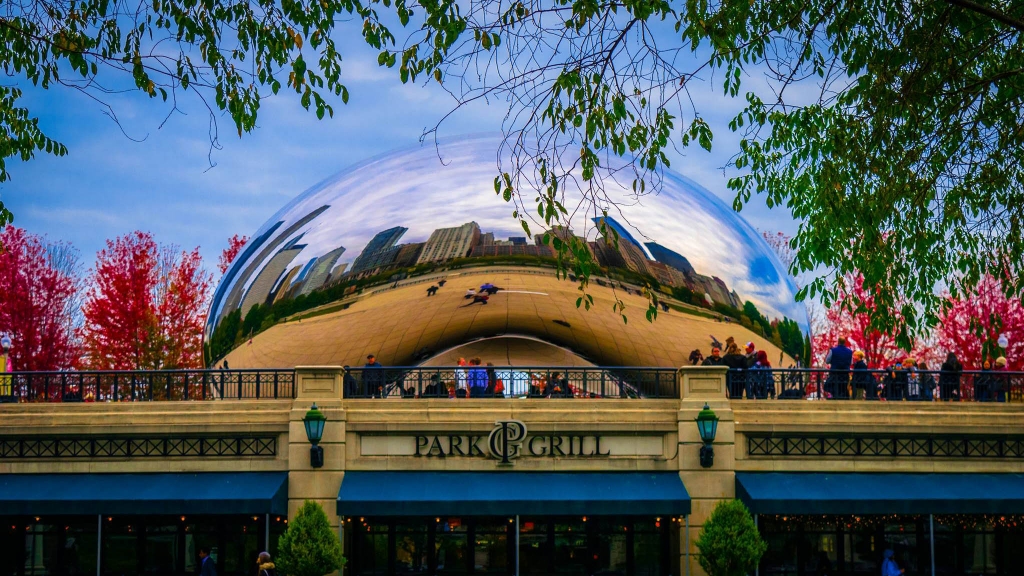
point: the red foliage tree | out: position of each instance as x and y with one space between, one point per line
849 317
39 295
229 254
145 306
970 327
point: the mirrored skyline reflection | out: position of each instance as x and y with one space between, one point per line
410 193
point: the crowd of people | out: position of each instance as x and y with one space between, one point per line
848 376
472 379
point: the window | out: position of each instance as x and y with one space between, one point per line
451 545
490 547
411 549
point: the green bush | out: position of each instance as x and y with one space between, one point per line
730 544
310 546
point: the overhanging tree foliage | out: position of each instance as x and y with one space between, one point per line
892 130
228 54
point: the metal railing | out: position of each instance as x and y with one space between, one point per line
146 385
510 382
890 385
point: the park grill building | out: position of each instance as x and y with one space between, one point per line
501 485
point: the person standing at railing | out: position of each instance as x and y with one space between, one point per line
348 383
6 366
373 377
914 392
983 383
864 386
737 364
839 359
949 378
461 376
477 379
1001 379
751 355
896 388
760 380
715 359
928 385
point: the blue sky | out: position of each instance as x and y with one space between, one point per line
159 178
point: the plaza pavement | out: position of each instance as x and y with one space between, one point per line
402 324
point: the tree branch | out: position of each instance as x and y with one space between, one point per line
990 12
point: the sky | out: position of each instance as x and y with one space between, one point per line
152 170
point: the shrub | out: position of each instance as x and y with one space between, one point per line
730 544
309 547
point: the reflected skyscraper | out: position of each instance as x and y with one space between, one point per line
321 270
447 243
238 282
378 251
269 277
670 258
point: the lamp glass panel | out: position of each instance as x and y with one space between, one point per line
314 430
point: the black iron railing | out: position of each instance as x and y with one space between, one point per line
146 385
890 385
510 382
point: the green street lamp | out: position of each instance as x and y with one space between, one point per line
707 426
314 423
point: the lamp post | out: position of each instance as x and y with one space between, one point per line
314 423
707 426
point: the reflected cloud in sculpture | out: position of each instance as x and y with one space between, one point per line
405 208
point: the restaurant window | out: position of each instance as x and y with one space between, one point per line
610 548
534 547
490 546
571 554
371 543
980 550
412 555
567 546
649 552
451 546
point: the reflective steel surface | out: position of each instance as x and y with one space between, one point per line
403 222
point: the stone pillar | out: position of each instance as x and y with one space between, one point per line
706 486
322 385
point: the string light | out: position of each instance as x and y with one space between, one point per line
895 522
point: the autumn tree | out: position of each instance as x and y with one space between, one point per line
971 325
40 285
850 318
145 306
228 255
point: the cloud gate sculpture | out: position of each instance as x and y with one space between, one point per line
413 259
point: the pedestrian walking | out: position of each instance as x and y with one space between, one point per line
889 566
207 566
265 566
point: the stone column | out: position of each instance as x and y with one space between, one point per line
706 486
322 385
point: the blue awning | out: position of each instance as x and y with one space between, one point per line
179 493
880 493
510 493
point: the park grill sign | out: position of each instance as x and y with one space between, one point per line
509 440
